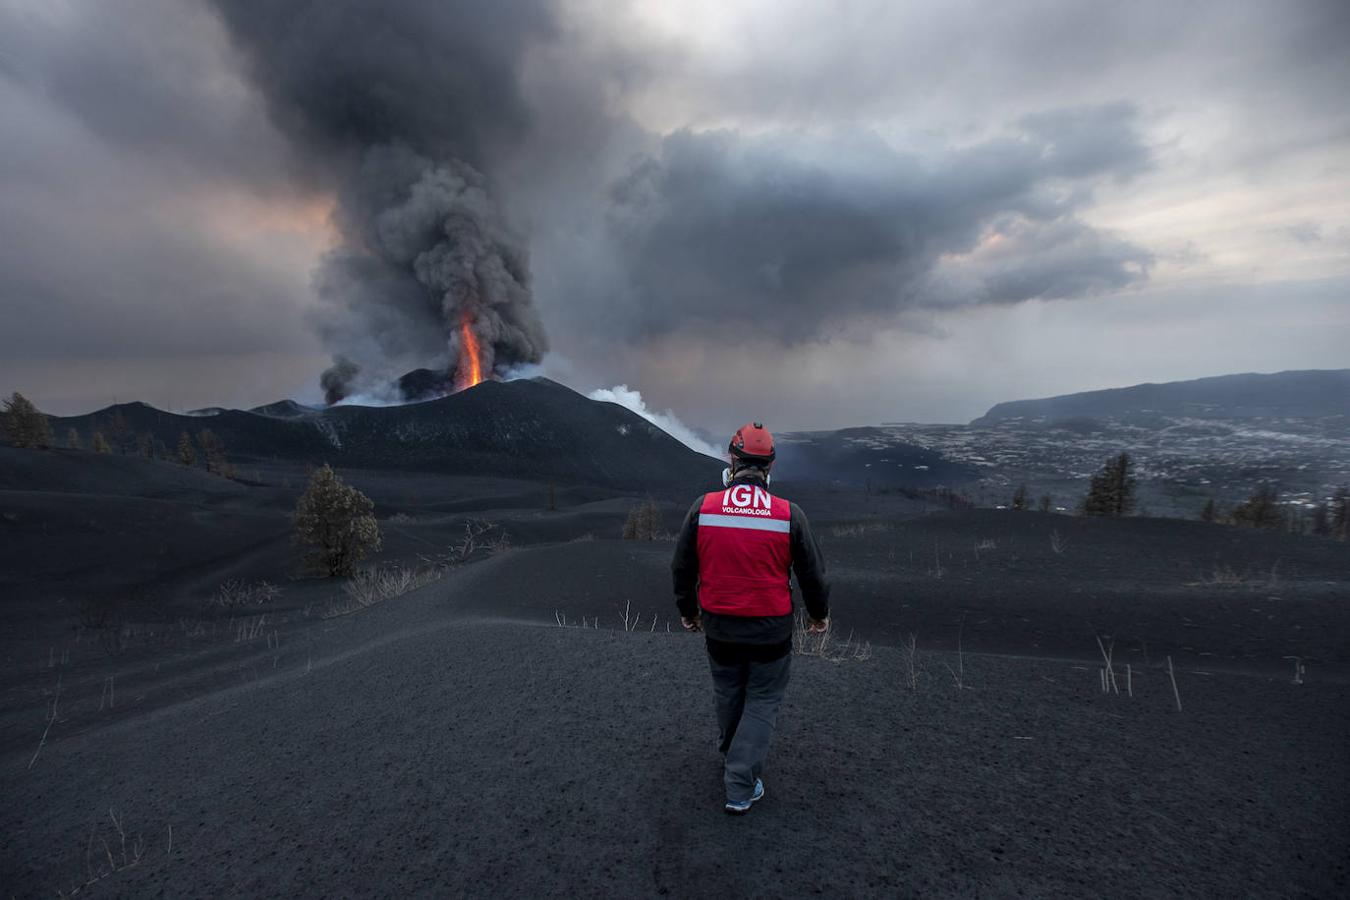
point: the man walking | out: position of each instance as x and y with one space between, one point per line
732 564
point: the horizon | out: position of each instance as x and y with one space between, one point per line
695 437
914 214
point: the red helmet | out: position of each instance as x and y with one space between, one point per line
752 444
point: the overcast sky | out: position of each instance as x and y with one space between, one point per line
814 214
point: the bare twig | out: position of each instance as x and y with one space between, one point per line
1173 675
960 653
956 677
50 719
1110 676
911 655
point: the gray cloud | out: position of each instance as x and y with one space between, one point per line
795 234
132 160
154 78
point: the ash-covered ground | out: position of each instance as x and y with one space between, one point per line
522 722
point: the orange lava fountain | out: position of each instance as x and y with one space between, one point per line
470 356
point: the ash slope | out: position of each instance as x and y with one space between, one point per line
531 428
408 749
432 745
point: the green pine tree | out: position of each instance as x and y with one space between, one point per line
187 454
1260 510
335 524
213 453
24 424
1340 513
1112 490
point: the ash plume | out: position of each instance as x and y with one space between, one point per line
404 108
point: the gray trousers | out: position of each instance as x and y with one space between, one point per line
748 695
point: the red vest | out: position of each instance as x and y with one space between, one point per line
744 552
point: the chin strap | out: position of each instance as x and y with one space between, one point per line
726 478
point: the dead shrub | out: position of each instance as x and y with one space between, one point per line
237 594
479 535
857 529
823 645
371 586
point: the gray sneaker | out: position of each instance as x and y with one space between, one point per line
741 807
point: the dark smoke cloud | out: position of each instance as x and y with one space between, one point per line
796 234
428 250
407 107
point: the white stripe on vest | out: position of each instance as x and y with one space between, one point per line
783 525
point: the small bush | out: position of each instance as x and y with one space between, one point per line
643 522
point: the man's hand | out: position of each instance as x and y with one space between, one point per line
694 624
817 627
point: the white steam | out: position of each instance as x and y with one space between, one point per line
632 400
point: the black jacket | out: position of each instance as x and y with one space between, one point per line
807 564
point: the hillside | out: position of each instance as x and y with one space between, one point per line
1213 438
531 428
1309 393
